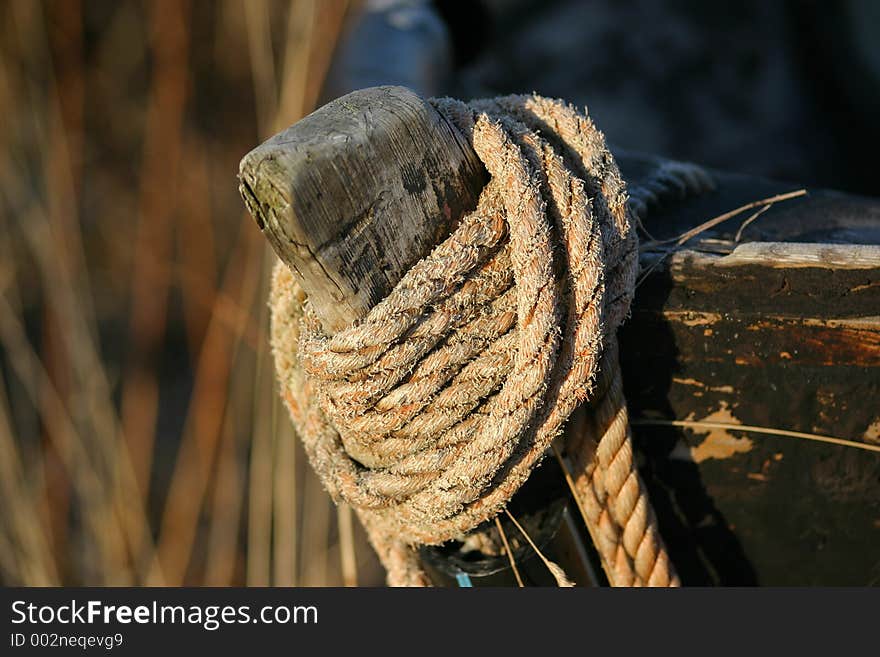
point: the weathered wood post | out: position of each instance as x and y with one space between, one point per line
351 196
354 194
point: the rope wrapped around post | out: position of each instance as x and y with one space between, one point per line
428 415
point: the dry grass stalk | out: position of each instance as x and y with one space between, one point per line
80 435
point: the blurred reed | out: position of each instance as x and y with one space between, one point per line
141 438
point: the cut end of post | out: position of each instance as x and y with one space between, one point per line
250 200
351 196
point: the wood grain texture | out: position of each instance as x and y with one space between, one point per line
789 255
355 193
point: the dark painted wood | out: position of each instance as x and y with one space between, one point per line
773 344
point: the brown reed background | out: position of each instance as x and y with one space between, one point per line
141 440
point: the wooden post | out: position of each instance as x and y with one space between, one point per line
354 194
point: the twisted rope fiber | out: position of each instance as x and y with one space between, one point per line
430 413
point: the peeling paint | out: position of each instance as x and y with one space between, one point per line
688 382
719 443
727 389
872 435
691 318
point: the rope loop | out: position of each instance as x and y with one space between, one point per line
428 415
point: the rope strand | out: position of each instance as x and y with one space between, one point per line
430 413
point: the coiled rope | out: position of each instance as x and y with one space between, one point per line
428 415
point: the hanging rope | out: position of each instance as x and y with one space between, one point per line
428 415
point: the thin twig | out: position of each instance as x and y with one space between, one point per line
577 500
754 429
557 572
711 223
640 225
748 221
721 218
509 551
